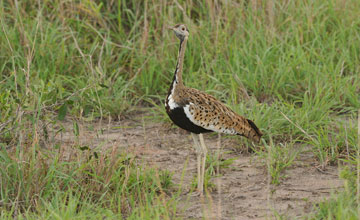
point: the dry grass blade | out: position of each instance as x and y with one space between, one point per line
301 129
358 164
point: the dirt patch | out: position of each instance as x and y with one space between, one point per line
242 191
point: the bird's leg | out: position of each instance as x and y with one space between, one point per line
204 152
198 157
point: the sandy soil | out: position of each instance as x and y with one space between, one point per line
241 192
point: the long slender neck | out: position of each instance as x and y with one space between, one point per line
179 66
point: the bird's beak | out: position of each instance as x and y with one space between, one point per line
170 27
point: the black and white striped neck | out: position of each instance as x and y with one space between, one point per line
177 82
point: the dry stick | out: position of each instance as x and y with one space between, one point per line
90 66
30 55
24 38
347 144
270 10
3 128
179 6
186 18
162 195
12 57
146 30
358 165
302 130
106 40
268 164
219 208
241 86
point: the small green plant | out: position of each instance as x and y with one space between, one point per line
332 144
50 186
278 157
341 205
213 163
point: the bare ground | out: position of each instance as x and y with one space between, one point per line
242 191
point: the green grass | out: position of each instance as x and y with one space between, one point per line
45 185
343 205
213 166
279 158
291 66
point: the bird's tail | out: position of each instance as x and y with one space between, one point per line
254 134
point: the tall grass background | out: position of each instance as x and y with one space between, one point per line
291 66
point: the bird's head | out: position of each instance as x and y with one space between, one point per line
181 31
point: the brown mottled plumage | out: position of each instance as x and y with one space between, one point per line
199 112
213 115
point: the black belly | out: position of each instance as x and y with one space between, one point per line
178 116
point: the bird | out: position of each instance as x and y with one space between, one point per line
199 112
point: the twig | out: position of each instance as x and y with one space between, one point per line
268 184
219 208
324 172
108 41
242 87
347 143
146 29
12 57
3 125
90 66
302 130
358 165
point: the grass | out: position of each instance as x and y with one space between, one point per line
214 162
83 185
343 205
278 159
291 66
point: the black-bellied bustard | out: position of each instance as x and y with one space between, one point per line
199 113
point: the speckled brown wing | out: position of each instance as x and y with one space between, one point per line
205 111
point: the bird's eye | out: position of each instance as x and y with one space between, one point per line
183 29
